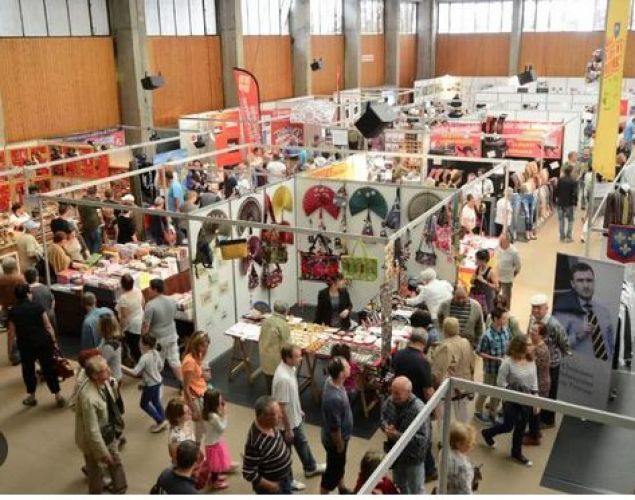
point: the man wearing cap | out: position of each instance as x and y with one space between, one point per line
558 344
29 250
432 292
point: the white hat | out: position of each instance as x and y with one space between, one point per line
127 197
539 299
428 274
30 224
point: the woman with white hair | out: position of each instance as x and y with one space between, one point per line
432 292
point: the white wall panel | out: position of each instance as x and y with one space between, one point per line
99 14
182 10
10 22
80 17
35 18
57 15
196 17
166 17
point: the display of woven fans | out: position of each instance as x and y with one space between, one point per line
421 203
249 210
221 228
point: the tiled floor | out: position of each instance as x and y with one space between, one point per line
43 457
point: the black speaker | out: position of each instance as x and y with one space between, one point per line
375 119
152 82
527 76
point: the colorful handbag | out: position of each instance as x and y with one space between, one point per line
393 219
253 280
254 254
425 254
271 279
319 265
275 253
360 268
63 367
234 249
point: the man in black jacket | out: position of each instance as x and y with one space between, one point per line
566 200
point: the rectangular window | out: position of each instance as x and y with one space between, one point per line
167 21
210 17
182 16
372 16
408 17
564 15
266 17
57 17
326 17
79 17
475 16
35 22
99 17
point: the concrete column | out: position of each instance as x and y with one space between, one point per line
128 25
300 28
426 38
229 23
391 41
515 37
352 44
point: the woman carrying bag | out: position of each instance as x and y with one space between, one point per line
517 372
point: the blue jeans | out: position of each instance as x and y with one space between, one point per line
410 479
285 488
302 448
92 238
528 203
565 215
515 203
151 402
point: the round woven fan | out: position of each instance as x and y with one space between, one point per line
421 203
249 211
220 228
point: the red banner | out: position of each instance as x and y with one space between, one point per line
248 95
226 135
456 139
529 143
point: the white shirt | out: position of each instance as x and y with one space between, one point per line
285 389
468 218
433 294
132 301
215 426
149 367
504 212
507 264
16 220
276 169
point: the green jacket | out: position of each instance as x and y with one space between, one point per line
274 333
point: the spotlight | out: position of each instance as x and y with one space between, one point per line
152 82
154 136
200 141
317 64
527 76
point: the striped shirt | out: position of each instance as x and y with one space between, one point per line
266 456
515 373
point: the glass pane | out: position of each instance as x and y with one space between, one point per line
99 14
166 17
273 26
542 15
57 15
10 23
153 28
315 17
508 14
197 17
182 10
35 21
600 15
529 15
444 18
80 18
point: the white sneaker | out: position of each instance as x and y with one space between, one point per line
297 485
156 428
319 470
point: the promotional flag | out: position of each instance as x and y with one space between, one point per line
248 95
621 243
611 88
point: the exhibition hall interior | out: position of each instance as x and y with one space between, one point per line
317 247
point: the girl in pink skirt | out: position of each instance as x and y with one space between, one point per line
216 452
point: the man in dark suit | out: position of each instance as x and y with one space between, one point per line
566 201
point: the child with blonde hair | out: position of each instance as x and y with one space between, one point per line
460 470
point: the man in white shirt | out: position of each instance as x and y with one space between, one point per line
507 266
276 169
432 292
468 215
504 212
285 390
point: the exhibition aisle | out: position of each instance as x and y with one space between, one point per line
145 453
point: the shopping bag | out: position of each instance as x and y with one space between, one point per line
359 267
319 264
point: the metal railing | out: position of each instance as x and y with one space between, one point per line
447 388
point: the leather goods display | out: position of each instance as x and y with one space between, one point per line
274 250
234 249
425 254
253 281
359 267
421 203
249 211
254 254
322 198
271 278
393 219
319 264
220 228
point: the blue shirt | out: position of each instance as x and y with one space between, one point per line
628 132
494 343
90 328
336 413
175 192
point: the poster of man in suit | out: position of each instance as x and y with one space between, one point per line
586 302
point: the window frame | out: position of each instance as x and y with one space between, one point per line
546 16
474 16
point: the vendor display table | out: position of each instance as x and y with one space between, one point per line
316 342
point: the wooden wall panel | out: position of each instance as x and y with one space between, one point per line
56 86
485 54
407 60
269 59
559 54
373 71
331 49
192 69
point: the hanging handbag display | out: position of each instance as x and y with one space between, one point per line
359 267
234 249
273 250
252 281
425 254
393 219
319 265
254 253
271 278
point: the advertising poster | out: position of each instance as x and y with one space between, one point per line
611 88
248 94
456 139
283 132
586 303
528 147
111 137
227 134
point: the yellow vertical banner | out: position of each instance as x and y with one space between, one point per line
611 88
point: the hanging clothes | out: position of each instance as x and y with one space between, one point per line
620 208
